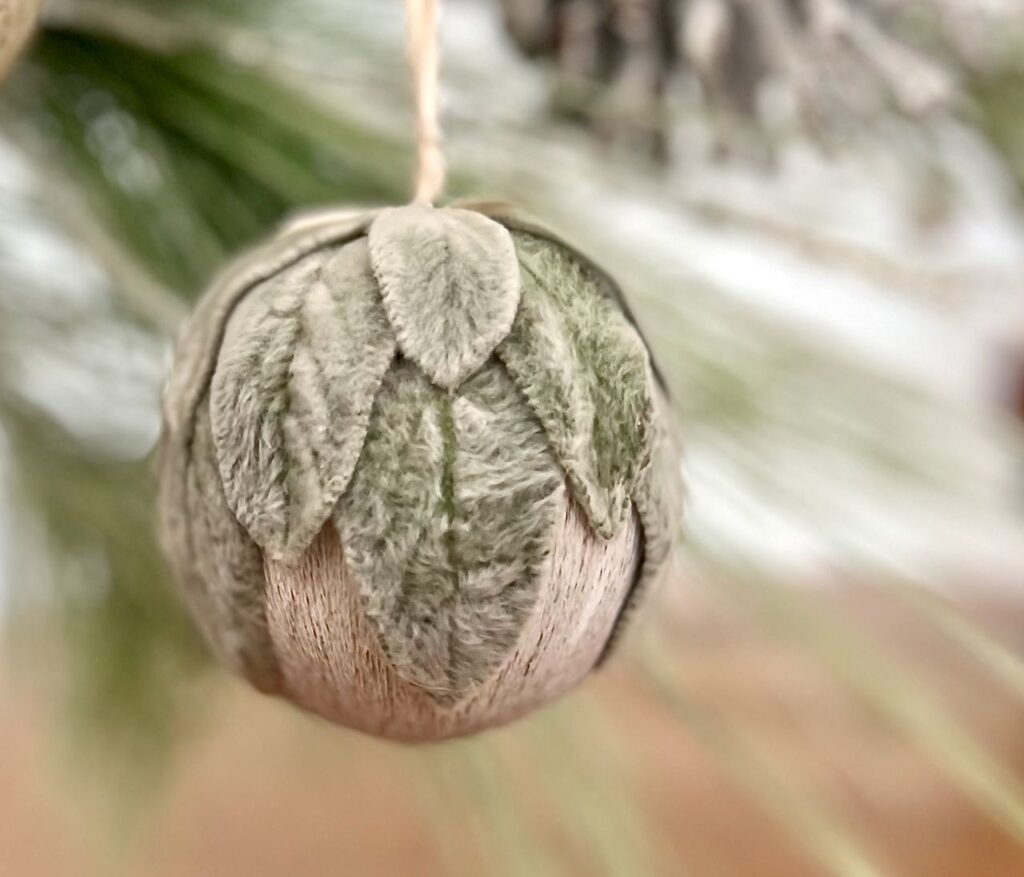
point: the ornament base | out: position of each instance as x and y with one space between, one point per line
332 662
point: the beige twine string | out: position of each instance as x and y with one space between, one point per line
425 61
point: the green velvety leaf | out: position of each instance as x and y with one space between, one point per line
450 284
302 357
219 566
658 497
516 219
196 353
447 523
585 373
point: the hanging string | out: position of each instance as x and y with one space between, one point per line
425 61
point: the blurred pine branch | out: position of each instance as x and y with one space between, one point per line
192 156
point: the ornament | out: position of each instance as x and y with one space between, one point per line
17 22
415 470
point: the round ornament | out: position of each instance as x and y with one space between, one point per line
415 470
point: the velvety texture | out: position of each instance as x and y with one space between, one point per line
448 522
299 366
584 372
450 284
217 562
658 498
196 351
439 385
517 220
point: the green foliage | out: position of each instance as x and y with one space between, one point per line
188 156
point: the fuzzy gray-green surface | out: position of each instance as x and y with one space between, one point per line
450 285
584 371
447 523
301 361
432 381
218 566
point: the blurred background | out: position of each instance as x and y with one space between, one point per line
817 209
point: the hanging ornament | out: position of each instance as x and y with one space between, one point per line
415 468
17 21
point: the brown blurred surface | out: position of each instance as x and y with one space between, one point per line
261 790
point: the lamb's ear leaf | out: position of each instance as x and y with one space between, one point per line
516 219
450 283
448 523
586 374
219 567
196 351
658 498
302 358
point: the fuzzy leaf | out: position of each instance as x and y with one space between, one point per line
585 373
447 523
301 361
450 283
515 219
196 353
219 566
658 497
